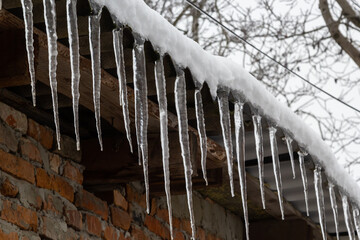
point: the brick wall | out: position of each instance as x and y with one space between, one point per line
41 195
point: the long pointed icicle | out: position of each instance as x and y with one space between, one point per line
50 23
180 104
120 66
334 207
304 179
200 120
291 153
27 7
348 218
161 96
259 153
95 51
320 200
276 167
240 154
223 101
72 28
141 108
356 216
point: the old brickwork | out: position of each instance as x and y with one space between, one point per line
42 197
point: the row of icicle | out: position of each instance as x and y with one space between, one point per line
141 115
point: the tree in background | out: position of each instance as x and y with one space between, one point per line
320 40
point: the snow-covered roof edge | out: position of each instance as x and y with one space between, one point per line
222 71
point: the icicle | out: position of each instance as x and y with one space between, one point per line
200 120
289 141
180 104
348 218
276 167
120 65
27 7
259 153
334 208
304 179
50 23
95 51
161 96
72 28
141 107
320 200
356 216
240 155
223 100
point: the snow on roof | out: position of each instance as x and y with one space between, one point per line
220 71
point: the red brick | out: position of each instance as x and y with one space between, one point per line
110 233
156 227
120 201
30 150
73 173
8 189
93 225
176 223
153 207
200 234
186 226
55 162
64 188
163 214
43 179
122 237
120 218
74 219
8 236
24 218
17 167
211 237
135 197
40 133
178 235
138 234
56 183
13 118
89 201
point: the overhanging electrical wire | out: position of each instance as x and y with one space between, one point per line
268 56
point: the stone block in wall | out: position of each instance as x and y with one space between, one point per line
22 217
30 196
55 162
54 228
53 205
13 118
8 138
120 218
68 149
88 201
17 167
40 133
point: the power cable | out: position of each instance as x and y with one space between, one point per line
268 56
